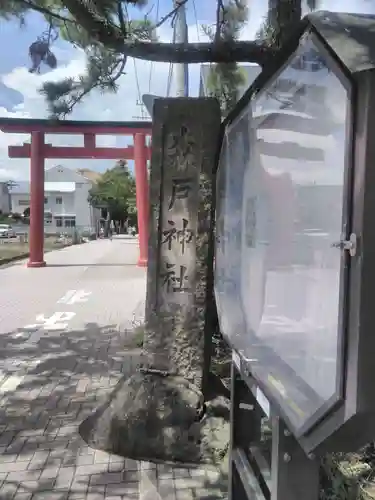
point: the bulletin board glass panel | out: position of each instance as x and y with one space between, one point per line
281 204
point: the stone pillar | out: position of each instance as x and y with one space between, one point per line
185 142
141 178
36 245
156 414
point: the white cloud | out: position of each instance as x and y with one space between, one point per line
121 106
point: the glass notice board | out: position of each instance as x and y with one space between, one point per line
280 207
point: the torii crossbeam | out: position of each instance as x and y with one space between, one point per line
38 151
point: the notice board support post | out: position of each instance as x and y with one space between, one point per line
294 474
244 429
288 474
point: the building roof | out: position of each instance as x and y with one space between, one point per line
60 187
350 36
23 187
89 174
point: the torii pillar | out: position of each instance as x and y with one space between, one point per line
141 178
36 239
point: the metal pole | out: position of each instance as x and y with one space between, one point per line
181 70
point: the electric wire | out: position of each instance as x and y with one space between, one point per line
138 86
152 63
210 65
196 20
170 72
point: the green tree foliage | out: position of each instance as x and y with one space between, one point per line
282 16
115 191
224 79
26 212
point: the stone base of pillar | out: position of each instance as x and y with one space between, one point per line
36 264
150 417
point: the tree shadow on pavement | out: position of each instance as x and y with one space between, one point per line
152 417
48 386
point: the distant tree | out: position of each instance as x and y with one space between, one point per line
26 212
115 191
16 216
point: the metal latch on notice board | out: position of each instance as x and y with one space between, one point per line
349 245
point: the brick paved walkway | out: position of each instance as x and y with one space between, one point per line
62 336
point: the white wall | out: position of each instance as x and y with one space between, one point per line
73 203
64 208
78 204
82 208
19 202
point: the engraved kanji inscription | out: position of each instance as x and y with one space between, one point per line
182 236
175 278
180 147
181 189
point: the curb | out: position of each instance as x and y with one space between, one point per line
9 260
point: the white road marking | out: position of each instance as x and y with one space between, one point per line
11 384
74 296
146 488
58 321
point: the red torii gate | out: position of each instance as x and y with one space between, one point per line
38 151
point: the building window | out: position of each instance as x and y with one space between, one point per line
45 201
23 203
58 221
70 222
47 218
59 200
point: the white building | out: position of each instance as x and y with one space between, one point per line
65 199
4 198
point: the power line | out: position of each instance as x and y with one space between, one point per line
137 79
170 71
139 100
169 81
196 20
152 63
181 72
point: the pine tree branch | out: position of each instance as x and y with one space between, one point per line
201 52
45 11
219 20
112 38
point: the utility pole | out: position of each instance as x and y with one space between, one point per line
181 71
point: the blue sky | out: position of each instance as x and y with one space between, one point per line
19 95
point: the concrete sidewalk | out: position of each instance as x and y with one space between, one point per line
63 331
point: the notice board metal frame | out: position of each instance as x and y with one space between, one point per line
290 475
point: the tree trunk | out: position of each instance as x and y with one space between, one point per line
283 17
